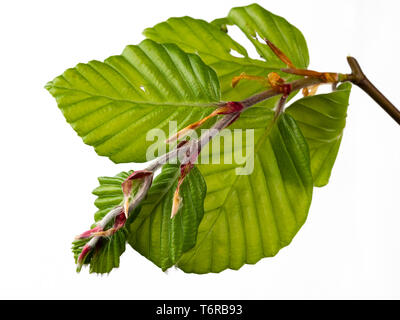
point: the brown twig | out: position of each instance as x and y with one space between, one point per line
359 79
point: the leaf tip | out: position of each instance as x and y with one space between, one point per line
48 85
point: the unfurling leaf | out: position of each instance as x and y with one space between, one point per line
153 233
106 254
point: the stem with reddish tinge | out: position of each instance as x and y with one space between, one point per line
357 77
295 85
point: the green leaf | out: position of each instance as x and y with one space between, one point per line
259 24
248 217
322 119
109 194
153 233
108 250
215 47
113 104
106 255
221 23
76 249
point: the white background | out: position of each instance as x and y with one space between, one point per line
348 248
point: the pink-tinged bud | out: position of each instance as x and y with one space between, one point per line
119 221
230 107
128 184
286 89
89 233
139 174
127 187
85 251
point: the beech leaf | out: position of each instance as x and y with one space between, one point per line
322 119
113 104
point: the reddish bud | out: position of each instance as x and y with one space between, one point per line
85 251
89 233
286 89
139 174
119 221
230 107
128 184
